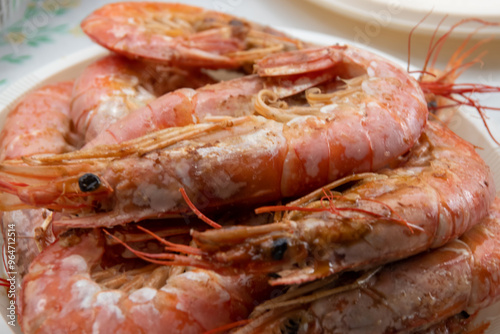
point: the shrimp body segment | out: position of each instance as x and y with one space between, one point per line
405 297
39 124
114 86
181 35
441 191
67 291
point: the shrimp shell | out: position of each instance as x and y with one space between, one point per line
39 124
114 86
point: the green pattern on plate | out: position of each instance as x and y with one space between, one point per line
15 59
35 28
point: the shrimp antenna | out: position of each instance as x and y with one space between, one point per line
431 43
170 246
444 85
197 212
164 259
411 35
436 47
307 203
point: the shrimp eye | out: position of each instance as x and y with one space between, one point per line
464 315
432 105
291 326
236 23
89 182
279 248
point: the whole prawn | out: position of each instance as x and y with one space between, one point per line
115 86
81 284
377 117
432 292
181 35
441 191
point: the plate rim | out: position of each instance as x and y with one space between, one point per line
401 24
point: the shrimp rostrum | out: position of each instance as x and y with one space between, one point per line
359 123
440 191
435 292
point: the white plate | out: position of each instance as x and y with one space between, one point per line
405 14
465 124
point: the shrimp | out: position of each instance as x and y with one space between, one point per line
441 191
38 124
114 86
445 286
183 36
80 284
368 85
363 127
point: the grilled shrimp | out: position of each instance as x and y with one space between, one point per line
81 284
38 124
441 191
114 86
443 286
378 117
357 85
181 35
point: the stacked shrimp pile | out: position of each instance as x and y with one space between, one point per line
391 223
